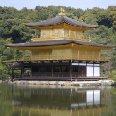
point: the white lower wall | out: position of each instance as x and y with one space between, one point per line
97 71
89 71
93 70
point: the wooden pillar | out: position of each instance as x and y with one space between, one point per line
101 72
52 70
93 69
70 70
86 69
78 70
22 72
30 69
12 78
62 74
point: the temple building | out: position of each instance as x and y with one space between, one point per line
60 52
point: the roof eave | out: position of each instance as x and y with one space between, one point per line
58 42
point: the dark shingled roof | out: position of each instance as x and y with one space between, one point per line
59 20
55 42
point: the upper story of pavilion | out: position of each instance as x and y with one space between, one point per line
60 27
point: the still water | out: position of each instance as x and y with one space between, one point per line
47 101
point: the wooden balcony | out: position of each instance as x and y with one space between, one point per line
55 57
84 39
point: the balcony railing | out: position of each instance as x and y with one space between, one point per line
57 76
84 39
55 57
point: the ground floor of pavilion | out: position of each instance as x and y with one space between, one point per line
56 70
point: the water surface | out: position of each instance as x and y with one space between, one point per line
47 101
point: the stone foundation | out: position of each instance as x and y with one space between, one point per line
66 83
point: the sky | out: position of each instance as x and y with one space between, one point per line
83 4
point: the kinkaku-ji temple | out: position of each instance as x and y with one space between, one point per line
60 52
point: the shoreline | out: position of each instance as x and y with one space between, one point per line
64 83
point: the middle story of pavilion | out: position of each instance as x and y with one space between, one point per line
60 60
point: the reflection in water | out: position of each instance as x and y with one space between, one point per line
29 101
92 99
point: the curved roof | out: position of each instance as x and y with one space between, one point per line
59 20
56 42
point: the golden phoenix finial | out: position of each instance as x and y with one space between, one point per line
62 12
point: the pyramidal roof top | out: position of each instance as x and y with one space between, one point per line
59 20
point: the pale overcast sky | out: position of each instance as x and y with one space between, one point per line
84 4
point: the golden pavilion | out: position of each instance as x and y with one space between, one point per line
60 52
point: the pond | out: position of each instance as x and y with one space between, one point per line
57 101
